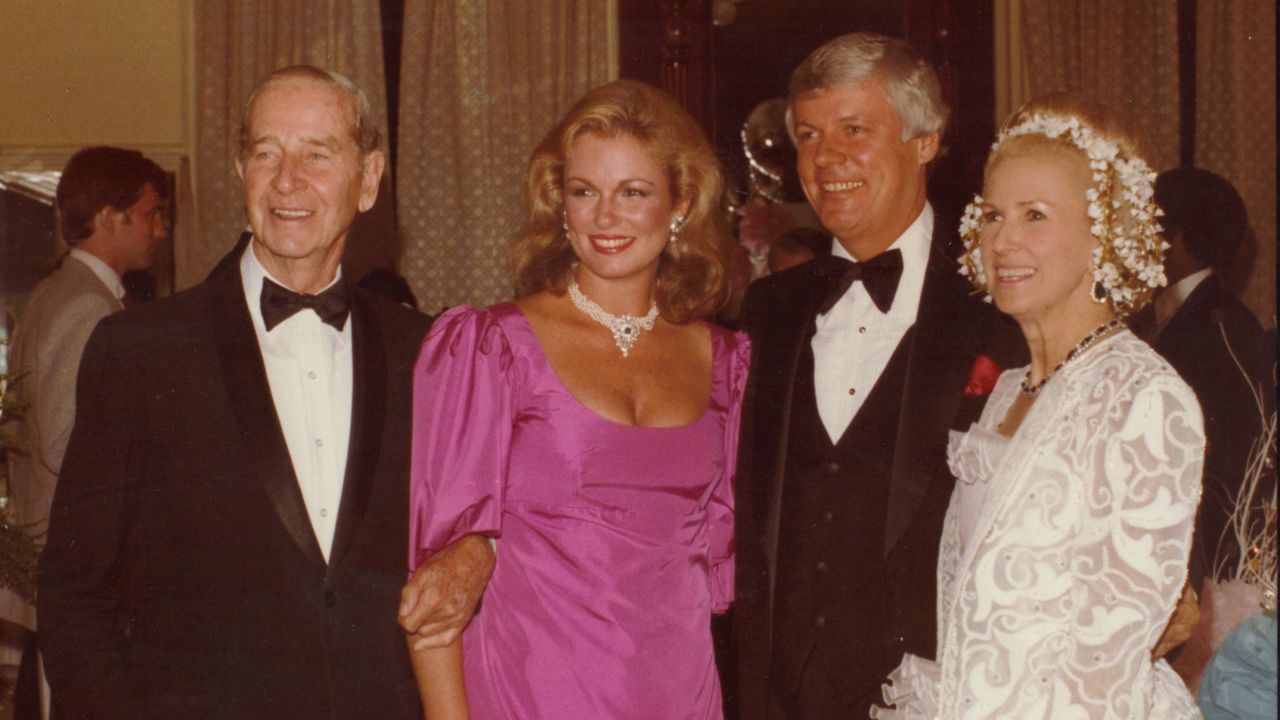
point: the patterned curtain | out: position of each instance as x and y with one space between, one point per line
481 82
1012 91
237 43
1124 54
1236 122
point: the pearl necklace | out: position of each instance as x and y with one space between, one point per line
1029 390
626 329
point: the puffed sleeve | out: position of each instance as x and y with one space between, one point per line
720 506
462 419
1129 560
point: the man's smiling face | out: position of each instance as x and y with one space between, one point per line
865 182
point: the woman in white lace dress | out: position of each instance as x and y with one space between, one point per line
1065 545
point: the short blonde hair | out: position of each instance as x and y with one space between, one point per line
693 272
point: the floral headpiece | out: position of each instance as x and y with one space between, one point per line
1129 264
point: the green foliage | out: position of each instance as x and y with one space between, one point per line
18 554
18 550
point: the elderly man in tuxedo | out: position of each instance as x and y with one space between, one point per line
228 535
863 362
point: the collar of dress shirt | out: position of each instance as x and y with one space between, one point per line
1168 302
251 274
102 270
914 244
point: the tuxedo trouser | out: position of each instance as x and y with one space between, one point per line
816 699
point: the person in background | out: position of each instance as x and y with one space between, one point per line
590 429
1214 343
797 246
227 538
1065 546
111 205
773 202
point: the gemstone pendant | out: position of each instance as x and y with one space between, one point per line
626 331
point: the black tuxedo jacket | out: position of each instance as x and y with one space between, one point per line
182 578
952 329
1199 341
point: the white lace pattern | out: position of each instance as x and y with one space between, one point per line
1065 549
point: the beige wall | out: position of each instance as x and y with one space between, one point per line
82 72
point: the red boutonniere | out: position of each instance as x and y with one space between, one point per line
982 379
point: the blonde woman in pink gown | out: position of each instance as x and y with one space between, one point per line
590 428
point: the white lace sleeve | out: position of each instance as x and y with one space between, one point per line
1130 559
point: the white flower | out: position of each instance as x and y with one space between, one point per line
1120 181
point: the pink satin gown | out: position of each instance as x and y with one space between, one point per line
614 542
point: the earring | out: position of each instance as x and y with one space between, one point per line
1099 293
564 220
677 222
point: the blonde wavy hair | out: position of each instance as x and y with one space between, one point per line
693 273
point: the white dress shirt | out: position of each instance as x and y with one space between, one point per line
309 369
854 341
102 270
1168 302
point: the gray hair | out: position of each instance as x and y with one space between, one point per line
907 78
365 129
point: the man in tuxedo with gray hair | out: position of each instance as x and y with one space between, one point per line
861 363
229 534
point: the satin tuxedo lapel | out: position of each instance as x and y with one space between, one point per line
776 352
266 456
943 348
369 392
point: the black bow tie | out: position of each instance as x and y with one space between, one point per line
879 276
279 304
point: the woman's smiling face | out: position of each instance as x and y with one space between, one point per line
1035 238
618 205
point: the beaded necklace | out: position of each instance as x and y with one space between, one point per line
626 329
1029 390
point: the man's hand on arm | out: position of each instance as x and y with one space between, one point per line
440 598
